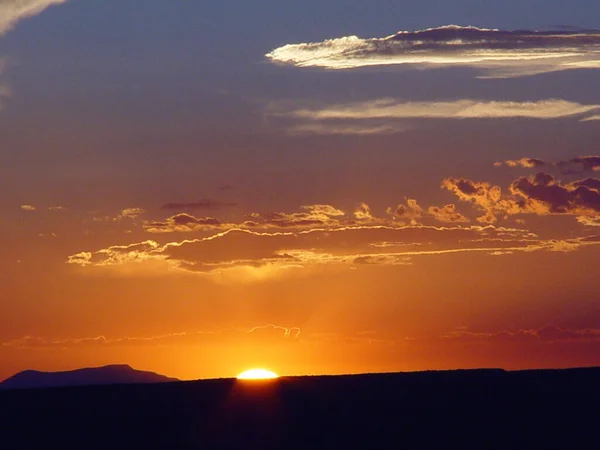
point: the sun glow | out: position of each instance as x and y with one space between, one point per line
257 374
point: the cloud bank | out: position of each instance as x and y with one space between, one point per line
499 53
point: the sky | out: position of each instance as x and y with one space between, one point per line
197 188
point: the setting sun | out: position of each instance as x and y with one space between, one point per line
257 374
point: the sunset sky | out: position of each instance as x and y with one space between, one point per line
200 187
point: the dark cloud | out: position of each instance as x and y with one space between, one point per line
541 193
579 164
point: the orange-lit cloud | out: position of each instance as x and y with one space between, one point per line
131 213
497 53
182 222
244 255
540 194
29 208
527 163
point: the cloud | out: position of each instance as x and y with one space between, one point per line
483 196
498 53
540 194
241 255
182 222
446 214
579 164
131 213
269 332
411 211
201 204
390 108
311 216
30 208
4 89
547 334
414 213
346 129
590 118
13 11
527 163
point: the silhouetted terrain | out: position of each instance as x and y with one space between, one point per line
114 374
485 409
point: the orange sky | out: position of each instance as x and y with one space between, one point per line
200 221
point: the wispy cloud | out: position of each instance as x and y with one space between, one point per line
13 11
590 118
391 115
390 108
499 53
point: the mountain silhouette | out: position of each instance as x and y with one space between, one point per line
112 374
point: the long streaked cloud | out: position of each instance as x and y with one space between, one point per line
390 108
239 255
498 53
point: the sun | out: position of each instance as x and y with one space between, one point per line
257 374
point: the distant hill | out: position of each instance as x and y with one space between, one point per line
113 374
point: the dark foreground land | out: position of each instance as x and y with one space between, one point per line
488 409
